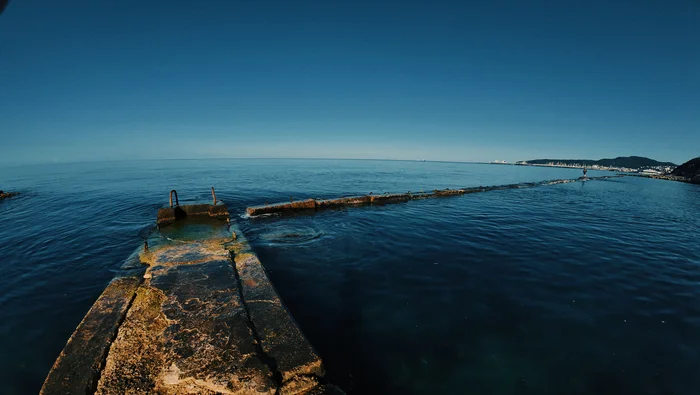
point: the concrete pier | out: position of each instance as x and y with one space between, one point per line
192 312
315 205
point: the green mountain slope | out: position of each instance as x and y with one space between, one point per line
690 170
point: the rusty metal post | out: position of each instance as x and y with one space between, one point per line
213 194
177 201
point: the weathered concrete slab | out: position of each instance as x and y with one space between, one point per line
347 201
448 192
254 281
190 253
78 367
187 331
297 362
282 340
391 198
302 205
395 197
169 215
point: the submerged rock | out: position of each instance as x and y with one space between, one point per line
4 194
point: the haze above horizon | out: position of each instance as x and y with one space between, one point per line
453 81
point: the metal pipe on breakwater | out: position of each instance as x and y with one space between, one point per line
364 200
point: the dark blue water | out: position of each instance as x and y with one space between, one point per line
576 288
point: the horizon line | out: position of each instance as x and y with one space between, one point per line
9 165
235 158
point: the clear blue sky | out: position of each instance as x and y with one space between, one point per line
437 80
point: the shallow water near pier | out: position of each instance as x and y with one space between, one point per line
580 288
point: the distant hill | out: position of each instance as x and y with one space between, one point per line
689 169
633 162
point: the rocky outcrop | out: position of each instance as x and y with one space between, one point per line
689 170
4 194
3 5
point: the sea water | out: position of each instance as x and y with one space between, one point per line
580 288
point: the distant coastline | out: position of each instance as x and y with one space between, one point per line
632 165
625 164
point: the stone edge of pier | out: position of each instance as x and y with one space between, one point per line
293 358
310 205
77 368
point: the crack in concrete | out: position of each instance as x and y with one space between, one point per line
262 355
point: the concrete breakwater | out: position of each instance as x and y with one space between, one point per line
190 312
388 198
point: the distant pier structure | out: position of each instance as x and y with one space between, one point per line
387 198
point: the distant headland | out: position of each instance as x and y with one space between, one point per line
623 163
689 170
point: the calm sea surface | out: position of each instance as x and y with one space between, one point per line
581 288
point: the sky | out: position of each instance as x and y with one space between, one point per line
437 80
